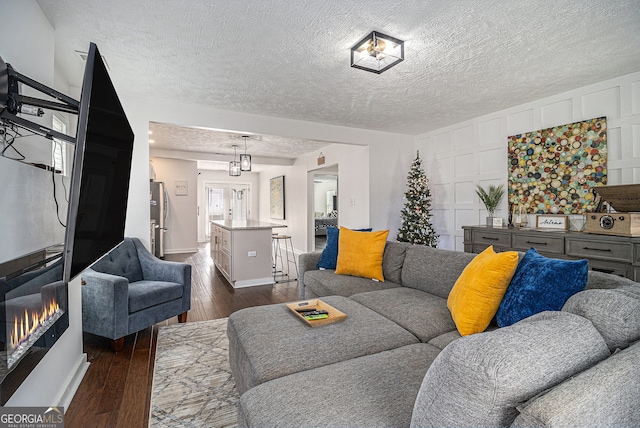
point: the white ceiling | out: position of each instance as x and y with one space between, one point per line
291 58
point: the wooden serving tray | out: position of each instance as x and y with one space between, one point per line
334 315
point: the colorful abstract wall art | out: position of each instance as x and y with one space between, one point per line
553 171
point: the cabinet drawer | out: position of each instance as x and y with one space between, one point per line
226 240
478 248
224 265
599 250
491 238
636 254
613 268
546 244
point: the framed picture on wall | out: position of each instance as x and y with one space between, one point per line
276 193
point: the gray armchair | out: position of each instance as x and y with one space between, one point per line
129 289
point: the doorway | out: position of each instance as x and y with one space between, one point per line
325 205
225 201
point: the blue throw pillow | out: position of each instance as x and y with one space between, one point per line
541 284
329 257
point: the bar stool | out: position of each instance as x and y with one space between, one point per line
282 275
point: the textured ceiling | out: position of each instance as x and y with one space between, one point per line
291 58
217 146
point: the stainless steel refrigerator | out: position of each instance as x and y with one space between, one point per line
159 204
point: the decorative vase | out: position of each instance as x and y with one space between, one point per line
490 221
519 216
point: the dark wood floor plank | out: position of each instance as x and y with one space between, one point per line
116 390
137 382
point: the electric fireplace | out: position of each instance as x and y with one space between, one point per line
34 315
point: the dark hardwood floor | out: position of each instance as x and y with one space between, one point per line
116 390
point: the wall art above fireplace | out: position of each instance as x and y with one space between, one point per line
554 170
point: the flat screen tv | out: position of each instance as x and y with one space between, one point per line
101 169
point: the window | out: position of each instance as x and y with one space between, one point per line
59 147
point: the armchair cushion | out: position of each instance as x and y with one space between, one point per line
144 294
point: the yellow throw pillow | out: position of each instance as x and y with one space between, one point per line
360 253
476 295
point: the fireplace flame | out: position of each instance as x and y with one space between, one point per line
27 324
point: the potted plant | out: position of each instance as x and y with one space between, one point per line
490 198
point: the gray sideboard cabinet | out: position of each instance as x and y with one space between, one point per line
618 255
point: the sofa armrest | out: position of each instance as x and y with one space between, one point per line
105 304
154 269
306 261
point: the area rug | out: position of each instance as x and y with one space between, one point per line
192 382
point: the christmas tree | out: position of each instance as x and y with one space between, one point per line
416 214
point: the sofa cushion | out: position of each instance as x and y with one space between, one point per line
327 283
360 253
423 314
476 295
393 260
479 380
121 261
268 342
443 340
372 391
541 284
432 269
615 313
145 294
606 280
329 256
607 394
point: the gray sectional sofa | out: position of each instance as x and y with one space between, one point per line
398 360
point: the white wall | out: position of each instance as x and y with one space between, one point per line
352 163
475 151
27 191
295 202
30 223
182 227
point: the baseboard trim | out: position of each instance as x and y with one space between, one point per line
181 250
74 380
253 282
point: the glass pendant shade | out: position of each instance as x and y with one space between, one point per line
245 162
234 169
245 159
234 165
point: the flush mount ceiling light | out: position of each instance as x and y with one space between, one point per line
377 53
245 159
234 165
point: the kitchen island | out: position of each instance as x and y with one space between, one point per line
241 251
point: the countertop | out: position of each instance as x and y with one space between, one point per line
245 225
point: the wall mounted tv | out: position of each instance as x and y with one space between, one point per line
101 170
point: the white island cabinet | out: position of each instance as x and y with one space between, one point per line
241 251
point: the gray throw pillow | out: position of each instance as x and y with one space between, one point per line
479 380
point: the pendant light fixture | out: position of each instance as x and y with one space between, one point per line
234 165
245 159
